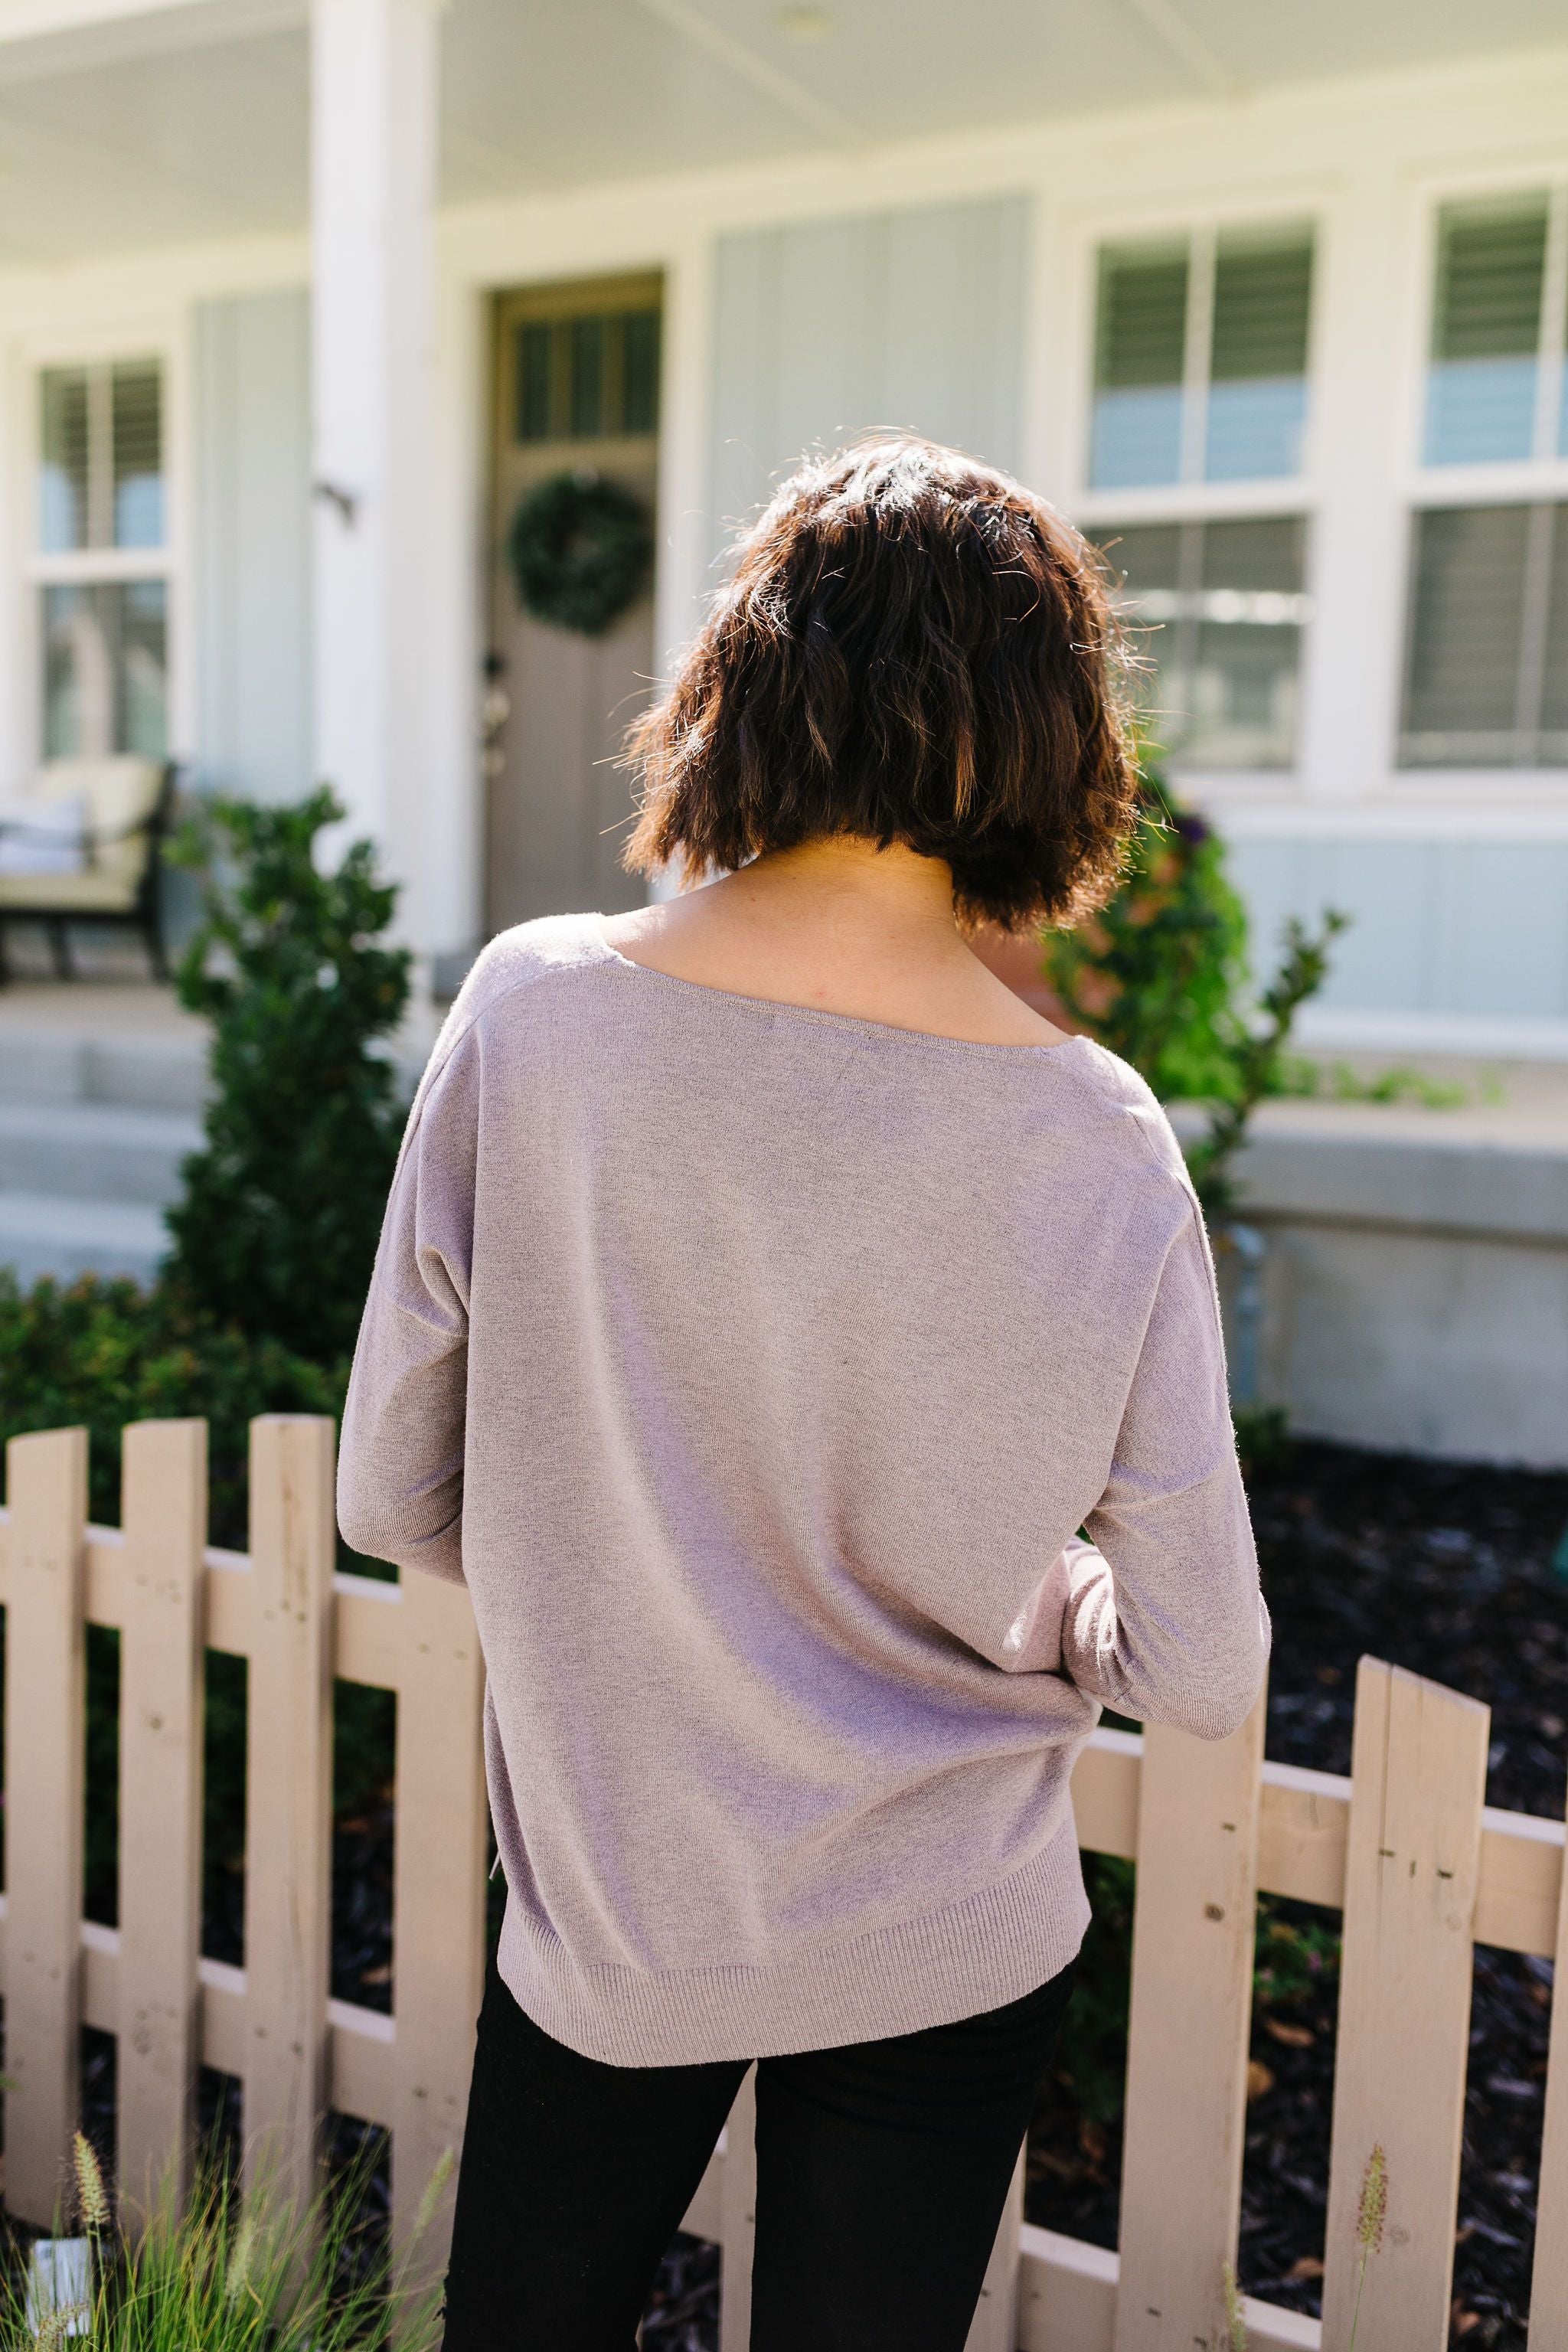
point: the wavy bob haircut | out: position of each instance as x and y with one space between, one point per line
912 648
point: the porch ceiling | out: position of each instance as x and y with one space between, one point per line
160 123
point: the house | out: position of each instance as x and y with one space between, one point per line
1273 300
298 302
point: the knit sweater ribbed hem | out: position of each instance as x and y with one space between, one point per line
977 1953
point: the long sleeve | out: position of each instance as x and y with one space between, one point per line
1163 1619
400 1470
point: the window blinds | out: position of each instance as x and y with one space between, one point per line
1140 351
1258 375
1218 610
1486 330
1245 388
1486 659
102 478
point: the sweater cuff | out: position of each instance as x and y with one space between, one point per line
1033 1642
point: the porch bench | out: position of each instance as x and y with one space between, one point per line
127 803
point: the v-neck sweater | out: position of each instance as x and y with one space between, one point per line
826 1419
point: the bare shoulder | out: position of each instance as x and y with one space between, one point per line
721 938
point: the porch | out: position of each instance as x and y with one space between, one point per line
322 231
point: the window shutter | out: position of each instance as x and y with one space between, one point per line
1262 289
136 411
1258 390
1140 559
63 483
1259 557
1466 613
1140 343
1490 260
1485 326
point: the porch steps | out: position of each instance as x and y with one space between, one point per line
93 1128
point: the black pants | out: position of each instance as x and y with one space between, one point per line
882 2169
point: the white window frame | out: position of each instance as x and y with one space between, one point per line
158 338
1538 480
1195 499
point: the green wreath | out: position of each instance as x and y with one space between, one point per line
581 550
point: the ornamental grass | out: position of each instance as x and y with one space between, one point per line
227 2271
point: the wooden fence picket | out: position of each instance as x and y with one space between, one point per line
1548 2275
738 2207
165 1515
1194 1931
289 1774
1404 1847
439 1918
1418 1784
46 1478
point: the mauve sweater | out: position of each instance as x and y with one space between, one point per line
756 1369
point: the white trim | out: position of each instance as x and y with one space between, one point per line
1322 1029
1197 353
88 564
1275 494
682 576
1475 809
27 20
1521 481
1549 364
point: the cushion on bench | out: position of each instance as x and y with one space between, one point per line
120 797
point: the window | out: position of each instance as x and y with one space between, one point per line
1486 659
101 559
1218 610
1201 358
1494 387
587 378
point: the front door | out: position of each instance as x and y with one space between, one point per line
577 391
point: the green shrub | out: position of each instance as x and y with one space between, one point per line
1159 975
101 1353
277 1230
1296 1956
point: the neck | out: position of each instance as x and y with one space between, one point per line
845 888
840 925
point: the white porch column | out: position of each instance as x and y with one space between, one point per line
372 179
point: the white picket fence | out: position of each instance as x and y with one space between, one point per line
1422 1869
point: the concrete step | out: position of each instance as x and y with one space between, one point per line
48 1064
42 1235
98 1152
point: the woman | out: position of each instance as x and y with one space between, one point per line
767 1300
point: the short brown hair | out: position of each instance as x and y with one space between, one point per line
913 649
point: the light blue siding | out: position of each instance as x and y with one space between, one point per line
910 318
252 617
1456 927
